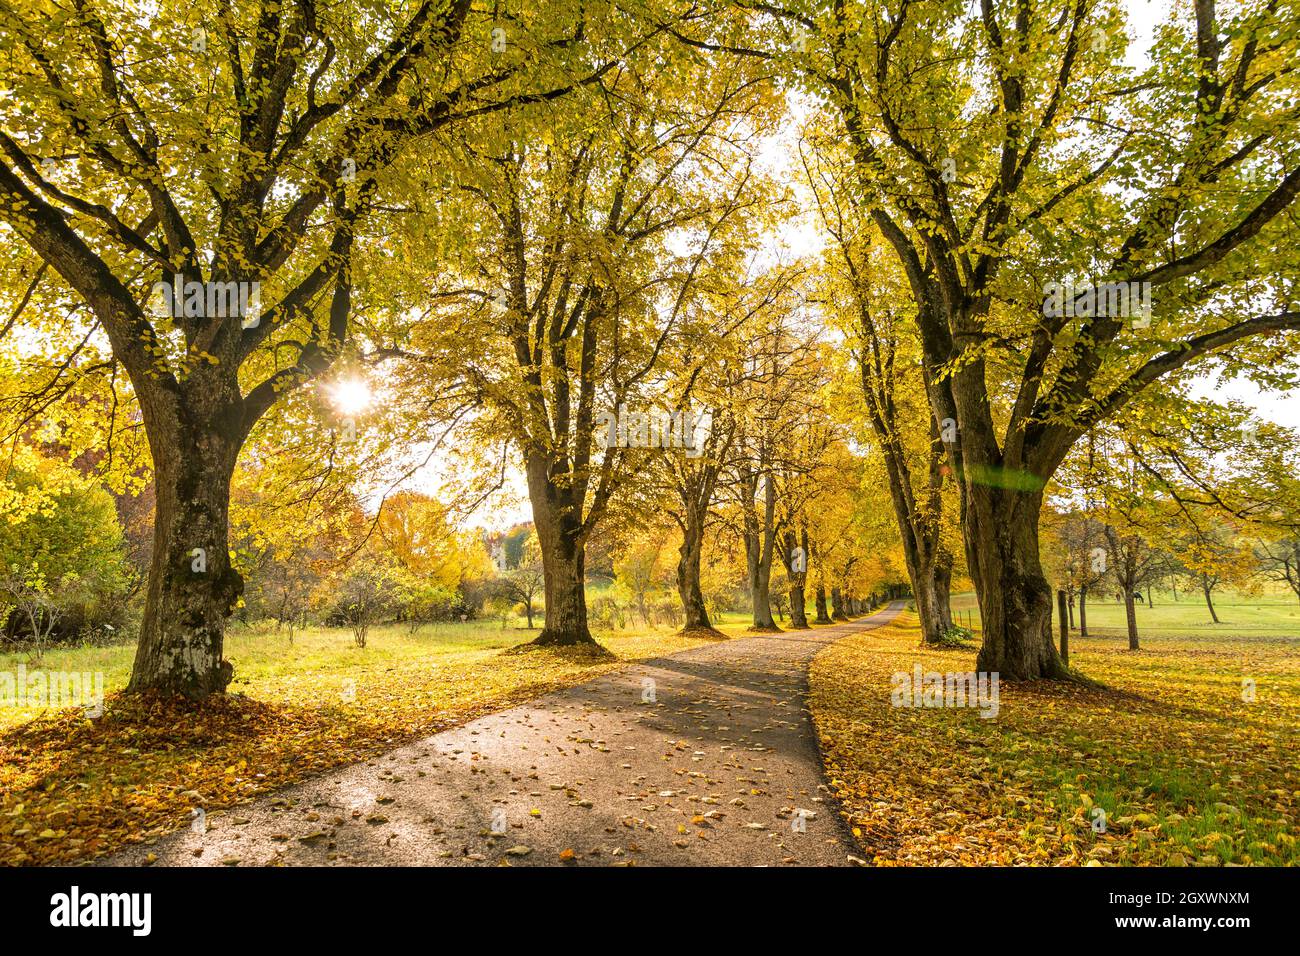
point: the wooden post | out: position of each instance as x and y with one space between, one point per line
1062 610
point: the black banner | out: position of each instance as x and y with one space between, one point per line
144 906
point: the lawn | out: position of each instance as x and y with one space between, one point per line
1184 768
1274 612
72 788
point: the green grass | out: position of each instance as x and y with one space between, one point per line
72 788
268 665
1275 613
1186 768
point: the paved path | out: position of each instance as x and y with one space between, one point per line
720 768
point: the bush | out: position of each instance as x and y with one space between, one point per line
608 611
63 569
367 593
667 611
957 636
426 603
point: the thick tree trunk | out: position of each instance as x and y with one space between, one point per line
837 605
798 576
563 559
760 545
193 589
688 579
760 587
1001 532
822 616
798 613
1083 612
931 584
1130 615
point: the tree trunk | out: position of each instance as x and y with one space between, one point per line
193 589
760 587
929 565
688 579
798 577
563 559
931 584
760 547
1001 532
1070 608
822 616
1083 612
798 613
528 609
837 605
1130 614
1210 604
1062 604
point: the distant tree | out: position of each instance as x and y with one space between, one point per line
62 553
526 580
639 571
1213 555
367 593
1280 561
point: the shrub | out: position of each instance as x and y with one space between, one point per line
62 553
366 594
668 610
426 603
609 612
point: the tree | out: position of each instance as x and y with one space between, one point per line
714 374
1081 541
1133 562
778 401
235 160
61 547
1213 554
864 301
593 237
368 592
1280 561
1017 168
638 571
526 580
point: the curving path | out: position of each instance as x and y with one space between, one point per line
720 768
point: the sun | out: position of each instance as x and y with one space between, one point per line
351 396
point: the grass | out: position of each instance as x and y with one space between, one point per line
1272 613
72 789
1184 768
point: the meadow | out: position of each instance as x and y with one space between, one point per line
1183 753
72 788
